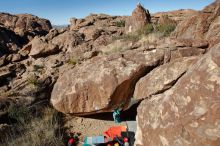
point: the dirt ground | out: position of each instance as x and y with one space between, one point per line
88 126
95 125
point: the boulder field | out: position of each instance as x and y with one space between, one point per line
100 63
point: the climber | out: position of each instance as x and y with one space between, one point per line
116 116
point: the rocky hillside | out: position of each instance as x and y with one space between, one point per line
167 62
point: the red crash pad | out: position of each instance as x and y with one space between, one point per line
112 132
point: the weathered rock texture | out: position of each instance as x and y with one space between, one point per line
164 19
162 78
98 26
188 113
203 25
92 66
25 25
176 15
103 83
140 17
9 41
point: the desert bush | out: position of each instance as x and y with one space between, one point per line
149 28
38 68
120 23
40 131
165 29
72 61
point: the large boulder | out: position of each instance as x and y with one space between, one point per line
25 25
68 40
188 113
140 17
102 84
40 48
162 78
52 44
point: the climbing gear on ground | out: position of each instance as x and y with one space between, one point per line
71 142
113 132
126 141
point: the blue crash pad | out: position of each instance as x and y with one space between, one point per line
94 140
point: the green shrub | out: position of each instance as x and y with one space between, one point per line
73 61
149 28
120 23
165 29
38 68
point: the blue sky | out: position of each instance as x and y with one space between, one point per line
60 11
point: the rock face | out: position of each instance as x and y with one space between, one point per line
9 41
40 47
96 25
203 25
162 78
140 17
52 44
176 15
164 19
93 66
25 25
188 113
103 83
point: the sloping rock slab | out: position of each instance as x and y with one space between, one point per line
162 78
188 113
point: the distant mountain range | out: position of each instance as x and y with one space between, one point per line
59 26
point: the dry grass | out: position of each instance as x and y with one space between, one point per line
32 80
134 37
40 131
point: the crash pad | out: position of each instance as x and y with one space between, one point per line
113 132
94 140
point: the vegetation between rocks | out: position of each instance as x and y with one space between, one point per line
164 29
73 61
129 37
120 23
113 50
32 80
